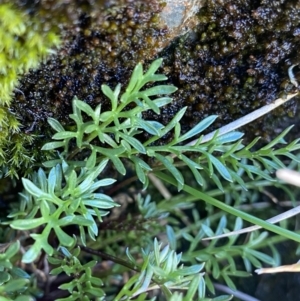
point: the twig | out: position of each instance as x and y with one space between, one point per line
295 268
273 220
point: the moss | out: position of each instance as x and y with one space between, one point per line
23 46
236 60
232 62
99 47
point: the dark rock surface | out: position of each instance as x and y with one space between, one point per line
235 59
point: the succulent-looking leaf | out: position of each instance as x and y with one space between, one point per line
172 169
200 127
27 224
220 167
64 135
55 124
84 107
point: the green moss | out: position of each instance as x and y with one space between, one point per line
233 61
23 46
99 46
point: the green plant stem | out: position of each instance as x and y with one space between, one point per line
231 210
116 260
111 258
272 241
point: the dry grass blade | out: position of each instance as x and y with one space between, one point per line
295 268
247 118
289 176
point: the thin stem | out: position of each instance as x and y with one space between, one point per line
111 258
252 219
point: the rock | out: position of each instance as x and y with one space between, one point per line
180 16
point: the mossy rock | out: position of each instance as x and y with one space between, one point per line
233 61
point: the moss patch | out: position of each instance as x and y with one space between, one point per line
233 61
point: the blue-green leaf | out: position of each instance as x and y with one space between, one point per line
174 121
20 273
136 76
250 169
82 221
159 90
102 183
171 237
193 286
220 167
44 208
153 67
32 253
162 101
193 167
107 91
55 124
113 154
112 95
200 127
42 180
91 161
84 107
149 126
12 249
64 135
149 102
64 238
27 224
13 286
278 139
134 143
172 169
53 145
33 189
229 137
52 180
102 204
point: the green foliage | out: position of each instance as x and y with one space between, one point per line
24 44
220 261
83 286
116 130
47 203
119 128
14 282
5 262
68 201
163 269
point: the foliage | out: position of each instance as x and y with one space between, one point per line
73 204
24 44
63 214
83 286
14 281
